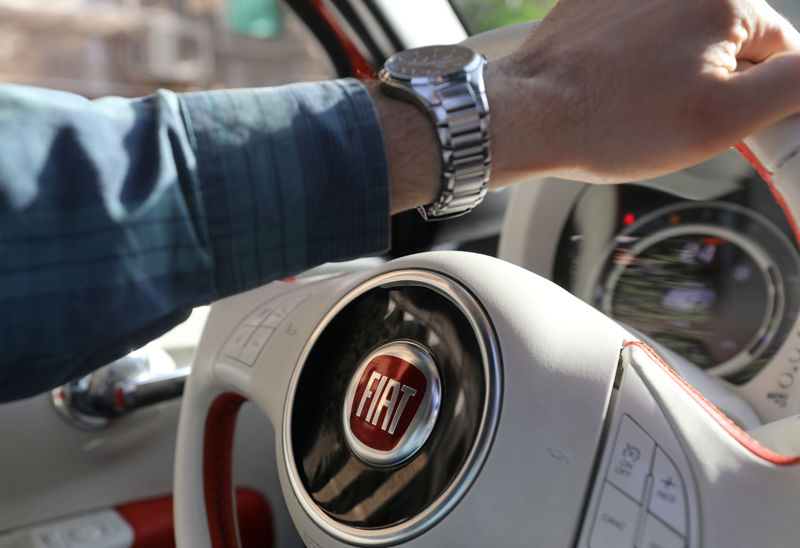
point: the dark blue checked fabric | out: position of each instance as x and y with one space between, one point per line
118 216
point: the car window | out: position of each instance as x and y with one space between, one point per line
481 15
133 47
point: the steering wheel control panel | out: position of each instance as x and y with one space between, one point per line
644 494
248 339
642 489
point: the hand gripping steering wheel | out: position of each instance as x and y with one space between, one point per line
451 399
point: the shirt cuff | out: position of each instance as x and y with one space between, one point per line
290 177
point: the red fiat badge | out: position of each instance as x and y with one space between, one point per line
387 398
392 403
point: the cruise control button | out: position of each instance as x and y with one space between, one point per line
630 461
668 496
615 521
658 535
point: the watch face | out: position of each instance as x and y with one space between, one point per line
429 61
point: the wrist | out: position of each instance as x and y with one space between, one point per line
412 151
521 144
523 124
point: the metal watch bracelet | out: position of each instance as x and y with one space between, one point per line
462 123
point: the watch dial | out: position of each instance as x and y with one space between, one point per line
429 61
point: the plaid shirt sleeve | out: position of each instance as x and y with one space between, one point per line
118 216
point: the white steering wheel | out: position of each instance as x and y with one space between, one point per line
451 399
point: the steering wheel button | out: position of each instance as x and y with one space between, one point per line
257 316
668 496
615 521
237 341
786 380
254 345
658 535
795 355
630 462
277 316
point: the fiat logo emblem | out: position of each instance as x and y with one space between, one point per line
392 403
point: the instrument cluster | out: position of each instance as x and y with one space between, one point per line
715 281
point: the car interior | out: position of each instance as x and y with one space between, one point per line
569 365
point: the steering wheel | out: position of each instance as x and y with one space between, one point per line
452 399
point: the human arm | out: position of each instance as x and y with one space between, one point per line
609 91
117 216
602 91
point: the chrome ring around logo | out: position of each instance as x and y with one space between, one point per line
478 450
392 403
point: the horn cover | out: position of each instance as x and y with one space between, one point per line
407 349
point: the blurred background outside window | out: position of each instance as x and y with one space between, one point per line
133 47
480 15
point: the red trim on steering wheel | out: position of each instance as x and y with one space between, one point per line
217 482
766 174
744 439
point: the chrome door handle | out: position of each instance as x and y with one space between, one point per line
121 387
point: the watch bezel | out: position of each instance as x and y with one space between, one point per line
473 64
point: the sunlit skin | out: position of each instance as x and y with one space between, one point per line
608 91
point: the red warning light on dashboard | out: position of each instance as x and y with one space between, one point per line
628 219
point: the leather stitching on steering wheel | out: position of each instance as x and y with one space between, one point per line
719 417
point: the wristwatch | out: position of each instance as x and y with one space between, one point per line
447 83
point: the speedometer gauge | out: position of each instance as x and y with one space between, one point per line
715 282
708 293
